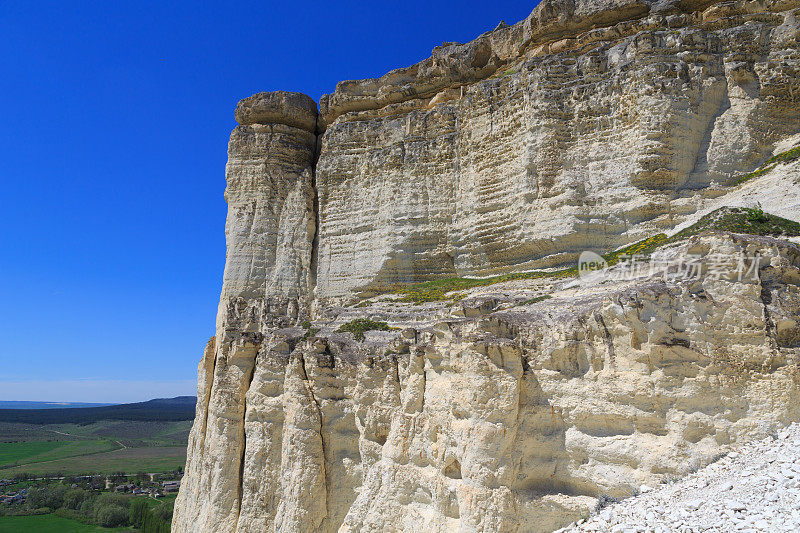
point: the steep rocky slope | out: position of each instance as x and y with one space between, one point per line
510 420
514 404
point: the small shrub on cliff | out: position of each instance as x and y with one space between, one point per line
756 214
537 299
604 501
310 332
361 325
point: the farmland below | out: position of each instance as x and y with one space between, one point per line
94 468
144 437
103 447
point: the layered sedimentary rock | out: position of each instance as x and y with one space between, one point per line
267 283
588 125
271 222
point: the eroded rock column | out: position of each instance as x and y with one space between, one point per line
270 226
267 284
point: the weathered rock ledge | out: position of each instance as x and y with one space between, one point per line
553 27
278 107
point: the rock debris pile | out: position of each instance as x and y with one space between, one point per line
756 488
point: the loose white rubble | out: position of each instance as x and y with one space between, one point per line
755 489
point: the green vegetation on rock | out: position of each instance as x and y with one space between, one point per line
772 162
737 220
537 299
361 325
786 157
310 331
431 291
752 221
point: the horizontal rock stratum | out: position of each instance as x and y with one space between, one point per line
512 402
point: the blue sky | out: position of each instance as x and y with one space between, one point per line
113 145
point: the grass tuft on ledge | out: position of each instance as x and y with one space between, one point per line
736 220
752 221
359 326
783 157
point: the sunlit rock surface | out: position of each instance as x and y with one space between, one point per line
587 126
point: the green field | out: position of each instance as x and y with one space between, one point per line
102 447
48 523
131 460
131 433
12 453
31 453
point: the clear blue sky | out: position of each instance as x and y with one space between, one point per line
113 141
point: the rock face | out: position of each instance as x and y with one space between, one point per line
512 420
589 125
267 282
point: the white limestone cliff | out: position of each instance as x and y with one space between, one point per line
588 126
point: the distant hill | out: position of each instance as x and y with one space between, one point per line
164 409
49 405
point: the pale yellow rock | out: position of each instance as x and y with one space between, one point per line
589 125
271 224
622 132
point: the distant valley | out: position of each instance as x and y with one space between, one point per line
49 405
87 439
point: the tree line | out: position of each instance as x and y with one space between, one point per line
92 507
166 410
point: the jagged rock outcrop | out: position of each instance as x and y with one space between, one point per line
589 125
